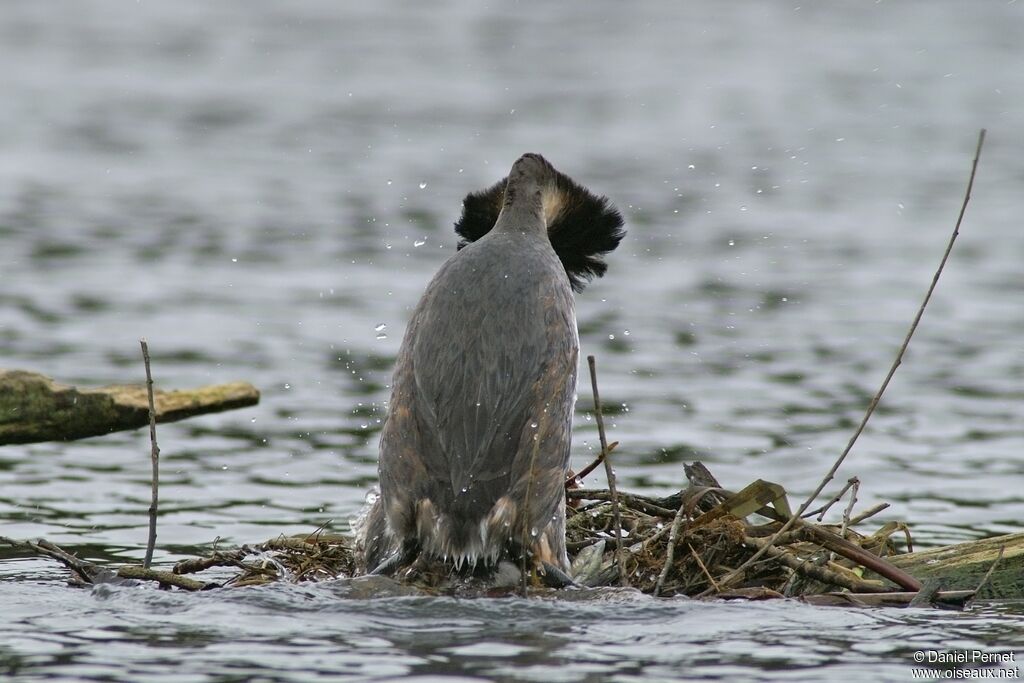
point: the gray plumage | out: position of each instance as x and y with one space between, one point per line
475 447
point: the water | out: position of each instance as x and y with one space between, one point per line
258 189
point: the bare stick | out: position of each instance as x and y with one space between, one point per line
807 568
988 574
854 483
637 502
831 501
673 538
591 467
154 456
727 580
623 579
703 568
870 512
852 551
85 570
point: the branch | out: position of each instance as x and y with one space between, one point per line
154 453
738 572
609 472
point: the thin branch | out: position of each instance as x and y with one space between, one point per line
703 568
591 467
988 574
616 515
85 570
673 538
809 569
635 501
738 572
154 456
870 512
831 501
854 483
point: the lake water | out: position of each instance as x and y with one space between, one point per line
263 190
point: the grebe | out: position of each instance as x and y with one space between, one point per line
474 451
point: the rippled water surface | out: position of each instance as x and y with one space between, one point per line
263 190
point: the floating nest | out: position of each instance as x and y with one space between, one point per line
704 541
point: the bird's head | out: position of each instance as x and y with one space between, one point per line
582 226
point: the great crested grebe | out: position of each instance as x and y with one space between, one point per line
474 451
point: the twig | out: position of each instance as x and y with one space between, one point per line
164 578
831 501
988 574
623 579
670 551
854 483
870 512
727 580
194 565
84 569
155 457
852 551
591 467
633 500
952 598
703 568
811 570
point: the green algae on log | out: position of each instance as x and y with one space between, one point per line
35 408
964 566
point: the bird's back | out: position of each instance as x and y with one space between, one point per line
479 423
475 447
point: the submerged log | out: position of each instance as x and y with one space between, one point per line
963 566
35 408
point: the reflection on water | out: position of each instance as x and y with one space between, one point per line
258 188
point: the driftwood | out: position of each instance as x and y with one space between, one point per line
36 408
964 566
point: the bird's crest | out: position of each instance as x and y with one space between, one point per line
582 226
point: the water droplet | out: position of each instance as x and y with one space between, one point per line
625 333
533 425
423 186
611 336
380 327
419 243
389 182
533 532
732 243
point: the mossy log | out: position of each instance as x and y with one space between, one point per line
35 408
963 566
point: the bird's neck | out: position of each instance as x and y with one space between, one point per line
522 217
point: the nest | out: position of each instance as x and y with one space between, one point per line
703 541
